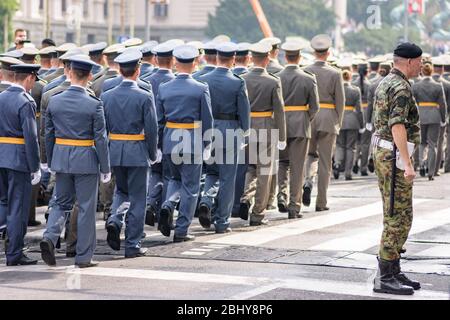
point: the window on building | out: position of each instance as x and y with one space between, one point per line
91 38
86 8
70 37
63 5
161 10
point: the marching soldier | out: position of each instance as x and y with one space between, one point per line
111 53
77 152
352 125
231 112
131 123
430 97
327 123
48 54
267 115
302 103
96 55
242 59
6 72
158 177
19 163
211 60
148 60
438 64
274 66
396 127
62 49
183 109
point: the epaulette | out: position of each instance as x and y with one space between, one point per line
274 75
239 77
58 93
94 97
147 89
44 82
308 72
91 92
28 96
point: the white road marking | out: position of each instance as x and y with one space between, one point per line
265 235
261 284
201 250
369 238
193 253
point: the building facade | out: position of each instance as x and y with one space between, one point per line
184 19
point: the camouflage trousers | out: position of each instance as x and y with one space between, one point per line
395 228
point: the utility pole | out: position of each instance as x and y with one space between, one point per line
147 20
122 17
110 21
132 17
406 21
6 33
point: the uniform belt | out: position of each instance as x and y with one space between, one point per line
385 144
174 125
264 114
327 106
364 105
226 116
296 108
74 143
429 104
9 140
349 108
126 137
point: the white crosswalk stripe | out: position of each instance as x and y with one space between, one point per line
266 235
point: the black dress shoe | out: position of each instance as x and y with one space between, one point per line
319 209
34 223
295 215
204 216
243 210
355 169
150 216
227 230
282 207
263 222
185 238
348 178
113 237
23 261
336 172
48 252
371 166
90 264
430 178
71 254
364 174
306 199
140 253
422 171
165 221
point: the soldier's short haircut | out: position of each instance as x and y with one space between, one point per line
223 59
164 60
80 75
19 77
241 59
128 71
259 59
292 57
8 75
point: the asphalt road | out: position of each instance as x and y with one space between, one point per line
328 255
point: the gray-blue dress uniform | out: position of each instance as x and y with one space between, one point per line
117 80
55 83
181 104
131 123
207 69
231 112
19 151
157 184
77 147
240 71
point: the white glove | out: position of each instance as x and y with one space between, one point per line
443 124
369 127
105 177
36 177
44 167
207 153
158 157
243 146
361 131
282 145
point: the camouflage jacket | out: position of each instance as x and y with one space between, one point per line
395 104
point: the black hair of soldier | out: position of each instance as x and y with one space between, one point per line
20 77
128 72
291 57
362 71
241 59
80 75
259 58
164 61
223 59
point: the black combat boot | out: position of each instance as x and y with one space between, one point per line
402 278
422 171
336 171
385 282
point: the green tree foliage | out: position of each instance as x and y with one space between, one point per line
7 9
286 18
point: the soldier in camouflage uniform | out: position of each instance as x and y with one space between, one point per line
396 119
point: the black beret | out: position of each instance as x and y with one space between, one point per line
408 50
